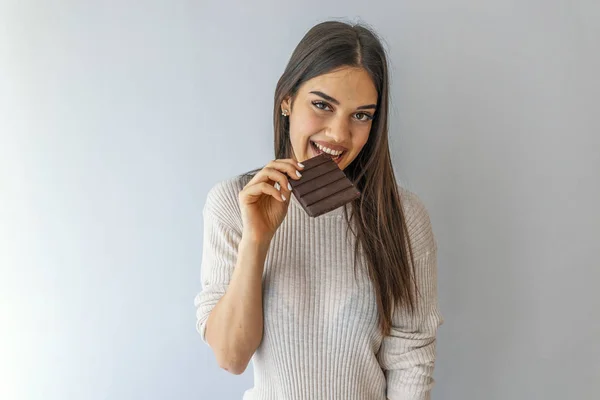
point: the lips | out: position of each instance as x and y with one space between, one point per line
318 151
332 146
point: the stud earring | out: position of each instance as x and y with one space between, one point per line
284 113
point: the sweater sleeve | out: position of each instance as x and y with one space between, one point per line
407 354
219 255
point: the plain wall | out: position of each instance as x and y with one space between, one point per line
116 117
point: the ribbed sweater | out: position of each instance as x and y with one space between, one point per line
321 338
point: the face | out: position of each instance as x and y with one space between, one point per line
332 113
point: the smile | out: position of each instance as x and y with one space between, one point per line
336 155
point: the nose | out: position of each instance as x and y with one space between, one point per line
339 130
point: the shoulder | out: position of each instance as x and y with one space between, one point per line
418 223
222 201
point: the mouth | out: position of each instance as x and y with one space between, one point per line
316 150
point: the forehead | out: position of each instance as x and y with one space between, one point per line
350 86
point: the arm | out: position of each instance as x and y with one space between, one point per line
407 354
229 308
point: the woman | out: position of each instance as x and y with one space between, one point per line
342 306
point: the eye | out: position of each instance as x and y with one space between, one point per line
365 117
321 105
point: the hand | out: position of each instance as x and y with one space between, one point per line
265 199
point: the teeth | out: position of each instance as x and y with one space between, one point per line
328 151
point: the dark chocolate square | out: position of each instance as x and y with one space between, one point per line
323 186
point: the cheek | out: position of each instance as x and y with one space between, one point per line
304 126
360 139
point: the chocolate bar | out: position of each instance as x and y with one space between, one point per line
323 186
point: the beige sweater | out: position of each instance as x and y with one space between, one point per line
321 338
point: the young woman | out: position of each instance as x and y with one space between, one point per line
344 305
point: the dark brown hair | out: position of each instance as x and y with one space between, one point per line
377 217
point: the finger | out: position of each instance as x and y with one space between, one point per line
263 188
292 162
271 175
287 166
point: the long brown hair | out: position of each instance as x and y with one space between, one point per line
378 219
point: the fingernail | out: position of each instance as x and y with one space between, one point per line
298 173
301 165
289 186
277 186
282 196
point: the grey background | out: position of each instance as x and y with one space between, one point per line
117 117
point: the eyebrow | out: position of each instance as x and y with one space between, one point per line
334 101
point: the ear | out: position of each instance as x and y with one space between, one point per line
286 104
